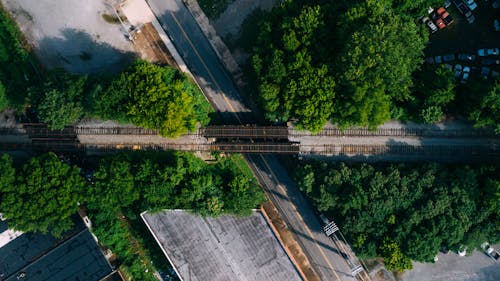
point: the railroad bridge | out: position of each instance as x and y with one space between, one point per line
260 139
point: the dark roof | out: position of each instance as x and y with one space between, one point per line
43 257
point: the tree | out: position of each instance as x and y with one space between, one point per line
8 175
44 195
432 114
154 97
375 66
242 196
113 186
344 61
292 85
3 98
58 101
488 112
405 211
394 259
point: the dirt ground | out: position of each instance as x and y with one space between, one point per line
149 44
73 34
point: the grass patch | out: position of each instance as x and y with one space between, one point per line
213 8
242 165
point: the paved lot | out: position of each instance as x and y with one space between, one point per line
72 34
477 35
477 267
224 248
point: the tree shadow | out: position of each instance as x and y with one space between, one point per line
78 52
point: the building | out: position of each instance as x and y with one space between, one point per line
225 248
38 257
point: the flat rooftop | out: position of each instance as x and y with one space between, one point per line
225 248
43 257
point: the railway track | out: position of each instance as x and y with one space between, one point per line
280 148
398 132
250 131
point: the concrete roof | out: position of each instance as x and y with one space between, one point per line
225 248
42 257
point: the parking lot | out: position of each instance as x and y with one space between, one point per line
73 34
464 37
450 266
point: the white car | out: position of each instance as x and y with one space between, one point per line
429 24
471 4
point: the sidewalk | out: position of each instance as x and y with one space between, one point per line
138 12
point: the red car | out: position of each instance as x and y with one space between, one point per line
440 23
445 16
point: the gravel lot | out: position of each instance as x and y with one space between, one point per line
477 267
72 34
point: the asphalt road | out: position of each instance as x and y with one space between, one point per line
210 73
201 59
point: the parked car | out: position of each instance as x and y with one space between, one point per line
429 60
490 251
490 61
496 25
466 57
471 18
465 75
440 23
449 66
471 4
429 24
458 70
488 52
485 72
447 18
496 4
448 57
438 59
463 8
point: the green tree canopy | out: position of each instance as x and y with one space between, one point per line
293 85
375 68
349 61
58 100
406 211
43 196
3 98
154 97
488 112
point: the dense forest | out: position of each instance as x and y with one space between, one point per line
406 212
353 63
43 194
